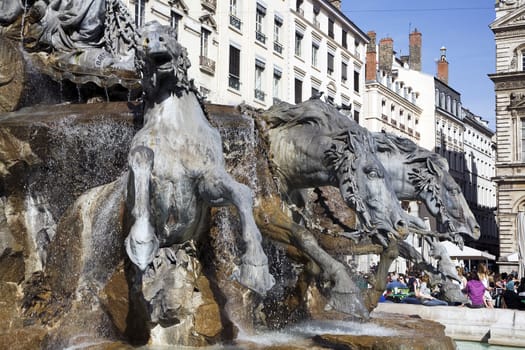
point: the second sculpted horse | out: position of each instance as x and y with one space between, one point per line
417 173
312 145
177 166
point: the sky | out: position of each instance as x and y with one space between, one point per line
460 26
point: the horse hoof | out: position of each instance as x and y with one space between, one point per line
349 303
256 278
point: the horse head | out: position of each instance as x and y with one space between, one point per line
365 186
443 197
163 61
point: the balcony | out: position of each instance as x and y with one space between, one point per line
209 4
207 65
234 82
277 47
259 94
260 37
235 22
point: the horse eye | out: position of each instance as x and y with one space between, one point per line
373 174
454 190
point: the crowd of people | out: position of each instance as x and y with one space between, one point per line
482 288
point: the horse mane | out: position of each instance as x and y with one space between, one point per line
314 112
413 153
180 64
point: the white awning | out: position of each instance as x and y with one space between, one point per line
467 253
514 257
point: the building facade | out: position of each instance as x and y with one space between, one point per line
403 100
479 170
259 51
509 85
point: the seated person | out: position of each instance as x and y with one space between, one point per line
395 283
475 291
425 294
511 299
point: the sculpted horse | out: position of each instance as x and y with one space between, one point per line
411 172
310 146
177 167
313 145
417 173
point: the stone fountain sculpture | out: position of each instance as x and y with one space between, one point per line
133 251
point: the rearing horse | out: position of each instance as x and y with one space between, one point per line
177 166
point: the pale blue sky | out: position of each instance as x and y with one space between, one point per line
461 26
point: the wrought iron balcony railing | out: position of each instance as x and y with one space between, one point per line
260 37
260 95
234 82
235 22
277 47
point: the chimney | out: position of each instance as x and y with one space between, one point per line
386 54
371 58
442 66
414 61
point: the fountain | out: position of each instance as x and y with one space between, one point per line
117 226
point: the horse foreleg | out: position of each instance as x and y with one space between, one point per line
141 243
345 295
219 188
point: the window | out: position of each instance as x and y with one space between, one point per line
523 60
259 71
344 35
259 23
277 74
205 35
315 52
234 19
331 28
356 115
356 81
235 68
344 71
298 4
175 23
298 89
277 24
523 140
315 91
139 12
330 65
298 43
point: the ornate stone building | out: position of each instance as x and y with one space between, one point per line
509 81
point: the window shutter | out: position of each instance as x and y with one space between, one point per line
330 62
298 91
235 61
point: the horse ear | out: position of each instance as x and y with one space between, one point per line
434 167
353 143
